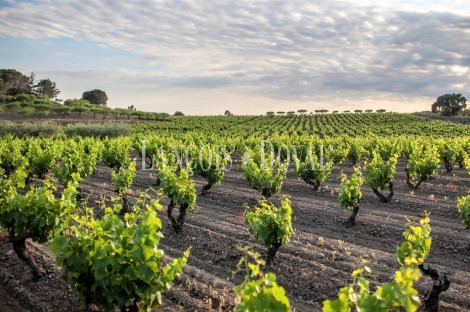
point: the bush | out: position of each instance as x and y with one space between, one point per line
44 129
26 111
111 262
109 130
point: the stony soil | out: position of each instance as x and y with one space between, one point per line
309 271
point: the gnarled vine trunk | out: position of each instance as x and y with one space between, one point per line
205 189
126 208
439 284
19 246
352 219
134 307
382 197
272 253
411 184
266 192
79 193
448 166
177 223
315 184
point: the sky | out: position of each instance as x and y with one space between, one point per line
249 57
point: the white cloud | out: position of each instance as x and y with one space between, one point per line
284 50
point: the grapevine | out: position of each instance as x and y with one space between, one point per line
37 215
378 175
181 191
122 181
350 193
120 263
258 291
271 224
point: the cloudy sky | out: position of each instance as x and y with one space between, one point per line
204 57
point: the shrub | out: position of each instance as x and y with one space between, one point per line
110 130
43 129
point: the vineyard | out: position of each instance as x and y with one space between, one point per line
323 212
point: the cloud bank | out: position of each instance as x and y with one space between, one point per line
283 50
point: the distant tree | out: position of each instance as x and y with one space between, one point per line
23 97
335 112
95 110
381 110
95 96
132 107
302 111
346 111
76 102
358 111
228 113
105 111
80 109
116 112
26 111
3 87
270 113
13 82
126 113
42 107
369 110
26 104
291 113
280 113
47 88
62 110
449 104
178 113
13 106
31 88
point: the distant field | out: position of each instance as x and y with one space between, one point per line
320 125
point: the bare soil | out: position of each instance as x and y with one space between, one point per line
310 272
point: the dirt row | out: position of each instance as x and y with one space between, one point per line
317 261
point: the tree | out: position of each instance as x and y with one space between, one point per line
280 113
95 96
31 84
228 113
104 111
76 102
80 109
62 110
368 110
291 113
302 111
13 82
358 111
449 104
47 88
381 110
178 113
270 113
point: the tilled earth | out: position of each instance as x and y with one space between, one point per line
315 264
